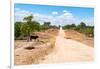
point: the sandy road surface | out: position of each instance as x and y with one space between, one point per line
68 50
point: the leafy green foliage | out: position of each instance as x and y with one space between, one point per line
28 19
72 26
89 31
28 27
25 29
46 25
82 28
82 25
17 27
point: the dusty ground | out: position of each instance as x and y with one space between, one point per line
31 52
65 46
68 50
71 34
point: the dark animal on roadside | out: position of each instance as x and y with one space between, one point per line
34 37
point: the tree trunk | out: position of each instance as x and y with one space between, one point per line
28 39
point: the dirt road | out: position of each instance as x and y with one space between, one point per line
68 50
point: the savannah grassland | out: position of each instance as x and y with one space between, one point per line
50 42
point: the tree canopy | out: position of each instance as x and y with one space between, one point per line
29 26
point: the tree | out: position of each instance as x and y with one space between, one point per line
54 27
89 31
28 20
24 30
35 26
46 25
72 26
17 32
82 25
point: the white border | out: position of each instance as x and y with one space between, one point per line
78 3
75 3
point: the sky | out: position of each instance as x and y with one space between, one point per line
57 15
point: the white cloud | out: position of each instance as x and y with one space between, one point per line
62 19
19 14
54 13
22 13
43 18
65 11
55 20
17 9
89 21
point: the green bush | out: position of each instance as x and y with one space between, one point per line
89 32
17 26
82 28
25 29
28 27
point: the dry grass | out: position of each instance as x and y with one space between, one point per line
32 52
71 34
30 55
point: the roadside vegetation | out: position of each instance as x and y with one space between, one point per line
32 52
82 28
28 27
28 51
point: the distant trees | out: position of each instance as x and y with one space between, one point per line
72 26
82 25
82 28
46 25
28 27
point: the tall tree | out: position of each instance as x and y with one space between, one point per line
82 25
28 20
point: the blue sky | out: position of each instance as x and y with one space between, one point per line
57 15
